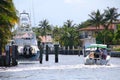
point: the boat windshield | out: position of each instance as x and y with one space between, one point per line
25 36
24 19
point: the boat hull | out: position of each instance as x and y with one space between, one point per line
96 61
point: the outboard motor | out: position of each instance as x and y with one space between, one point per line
30 50
24 50
27 50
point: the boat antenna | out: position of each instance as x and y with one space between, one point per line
32 2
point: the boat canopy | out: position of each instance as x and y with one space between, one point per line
93 47
97 45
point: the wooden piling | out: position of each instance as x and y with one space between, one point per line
84 51
47 55
7 55
41 56
0 49
56 47
64 49
78 50
68 50
73 50
1 56
40 52
14 55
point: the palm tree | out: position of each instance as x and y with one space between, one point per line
69 23
117 35
45 28
8 18
96 19
8 13
37 32
70 35
84 24
57 33
111 16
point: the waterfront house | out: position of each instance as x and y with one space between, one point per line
87 34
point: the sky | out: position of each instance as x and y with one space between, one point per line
59 11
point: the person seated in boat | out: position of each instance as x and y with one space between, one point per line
97 53
104 53
91 55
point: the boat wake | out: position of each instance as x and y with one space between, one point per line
56 67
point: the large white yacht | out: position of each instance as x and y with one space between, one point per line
24 37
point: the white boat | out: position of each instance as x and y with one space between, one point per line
24 37
92 57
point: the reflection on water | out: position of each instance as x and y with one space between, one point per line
69 68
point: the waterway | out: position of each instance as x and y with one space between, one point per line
70 67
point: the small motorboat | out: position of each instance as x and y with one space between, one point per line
92 57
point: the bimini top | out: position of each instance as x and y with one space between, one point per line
97 45
94 46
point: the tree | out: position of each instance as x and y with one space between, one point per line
105 35
96 19
111 16
69 24
116 39
70 36
107 19
36 30
57 33
84 24
8 18
44 28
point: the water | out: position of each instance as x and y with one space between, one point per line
70 67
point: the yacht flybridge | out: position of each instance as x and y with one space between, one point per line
25 38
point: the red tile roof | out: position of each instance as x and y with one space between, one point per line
93 28
45 39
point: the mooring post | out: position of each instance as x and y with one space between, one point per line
0 49
84 51
64 49
78 50
40 52
7 49
56 47
73 49
47 55
14 55
68 50
1 59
